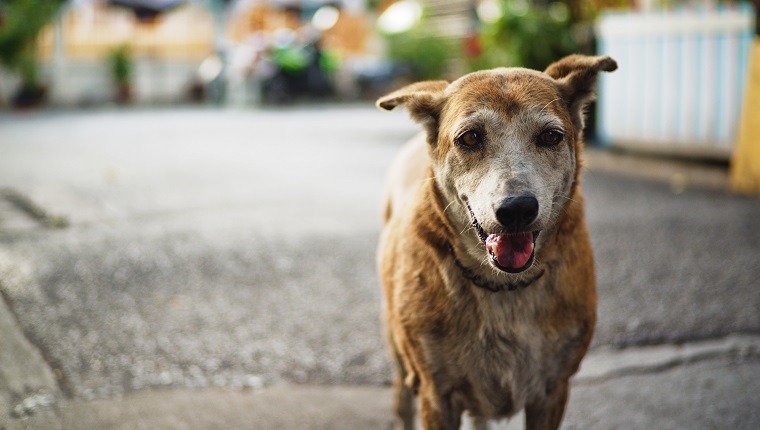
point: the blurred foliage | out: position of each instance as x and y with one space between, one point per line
329 61
291 58
121 64
296 58
530 36
20 23
28 69
427 55
586 11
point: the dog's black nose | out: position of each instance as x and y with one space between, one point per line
516 213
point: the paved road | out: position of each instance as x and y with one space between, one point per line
213 248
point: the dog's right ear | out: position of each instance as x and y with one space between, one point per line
423 101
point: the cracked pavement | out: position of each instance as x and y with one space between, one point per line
223 260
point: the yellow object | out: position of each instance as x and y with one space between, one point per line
745 162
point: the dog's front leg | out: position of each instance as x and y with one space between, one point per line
437 412
403 396
547 413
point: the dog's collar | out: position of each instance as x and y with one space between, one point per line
490 286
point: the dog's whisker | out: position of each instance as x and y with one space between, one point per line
448 206
568 198
547 105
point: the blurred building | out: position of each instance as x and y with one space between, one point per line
346 31
187 48
682 78
679 88
257 29
165 51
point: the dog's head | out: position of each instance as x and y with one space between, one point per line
504 147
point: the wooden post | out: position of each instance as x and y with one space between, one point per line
745 161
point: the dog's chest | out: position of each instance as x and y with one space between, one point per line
507 359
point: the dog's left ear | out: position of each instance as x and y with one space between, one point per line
576 76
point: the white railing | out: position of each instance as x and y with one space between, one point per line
681 79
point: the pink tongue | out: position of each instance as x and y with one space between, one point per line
511 251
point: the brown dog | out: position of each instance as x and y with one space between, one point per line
485 257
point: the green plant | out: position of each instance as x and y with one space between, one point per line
20 23
525 35
529 36
121 64
28 69
426 53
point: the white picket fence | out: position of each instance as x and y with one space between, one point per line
680 82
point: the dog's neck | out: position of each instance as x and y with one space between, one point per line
494 287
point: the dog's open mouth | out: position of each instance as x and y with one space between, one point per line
509 252
512 253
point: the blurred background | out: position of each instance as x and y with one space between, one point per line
682 87
190 192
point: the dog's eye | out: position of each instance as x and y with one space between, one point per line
550 137
470 139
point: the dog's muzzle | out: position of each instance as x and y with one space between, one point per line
511 252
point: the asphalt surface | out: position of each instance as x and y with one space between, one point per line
180 258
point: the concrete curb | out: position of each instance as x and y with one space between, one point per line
278 407
26 380
329 407
605 363
679 174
